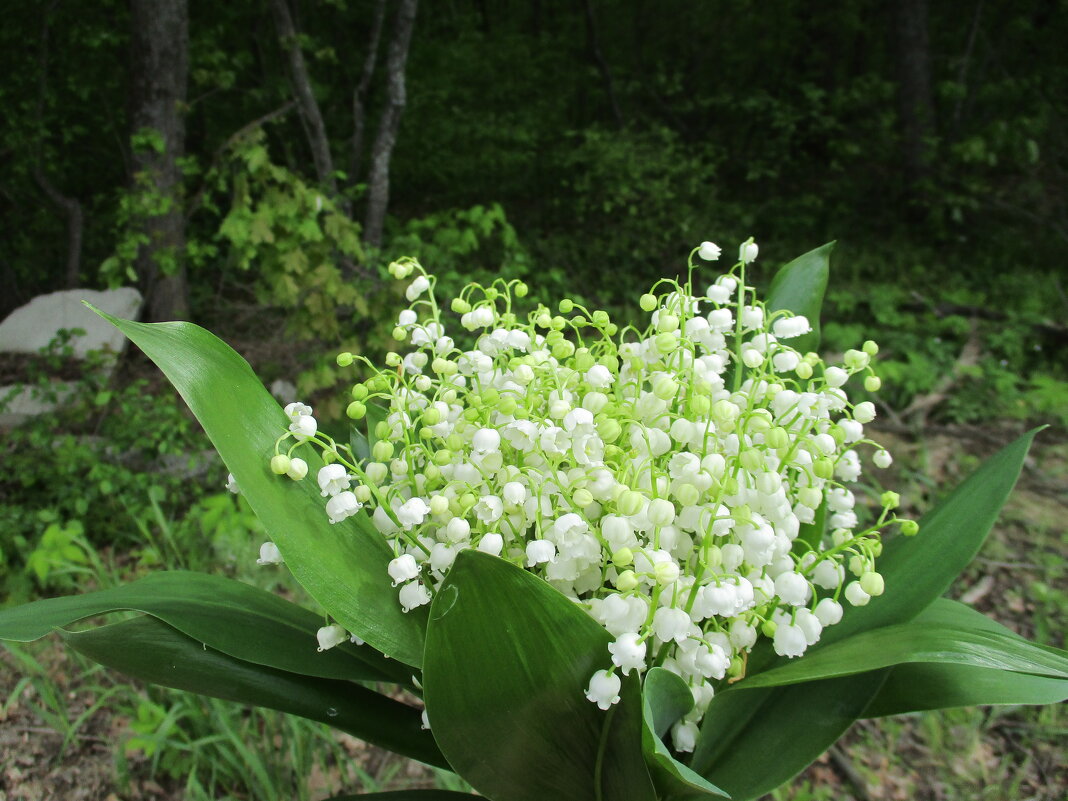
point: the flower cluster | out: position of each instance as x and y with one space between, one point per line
686 484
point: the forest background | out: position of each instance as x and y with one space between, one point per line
255 166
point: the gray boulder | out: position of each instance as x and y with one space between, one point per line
30 328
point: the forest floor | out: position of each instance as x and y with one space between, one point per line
62 738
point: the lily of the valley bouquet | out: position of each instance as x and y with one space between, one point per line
601 562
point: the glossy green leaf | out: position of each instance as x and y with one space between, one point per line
916 642
665 699
923 686
343 566
360 442
920 687
150 650
408 795
235 618
754 740
508 660
919 569
799 286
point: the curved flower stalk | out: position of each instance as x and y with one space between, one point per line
667 479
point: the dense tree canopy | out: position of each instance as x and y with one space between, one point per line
613 135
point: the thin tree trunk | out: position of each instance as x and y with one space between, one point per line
159 70
593 47
914 88
72 208
359 97
314 127
388 125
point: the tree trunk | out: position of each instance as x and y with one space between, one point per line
314 127
593 48
159 69
359 97
914 88
388 125
72 208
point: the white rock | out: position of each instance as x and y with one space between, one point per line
30 328
283 391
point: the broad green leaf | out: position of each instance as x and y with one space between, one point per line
919 569
753 741
799 287
665 699
408 795
810 535
235 618
915 642
343 566
508 660
152 651
920 687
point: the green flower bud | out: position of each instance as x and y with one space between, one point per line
627 581
890 500
804 371
667 323
872 583
431 417
521 290
344 359
823 468
910 528
630 502
566 305
400 334
752 460
507 406
382 451
442 457
600 317
856 360
810 497
356 410
460 306
665 387
742 514
687 494
432 472
701 404
873 383
439 505
647 302
362 493
582 497
777 437
768 628
359 392
666 342
870 348
713 556
382 429
609 430
467 500
623 557
280 464
454 442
